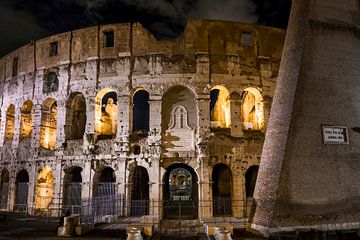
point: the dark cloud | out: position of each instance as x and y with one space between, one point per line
164 18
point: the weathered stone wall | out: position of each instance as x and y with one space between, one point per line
313 184
207 54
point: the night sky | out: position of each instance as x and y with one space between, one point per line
24 20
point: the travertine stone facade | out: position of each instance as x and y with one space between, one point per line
70 114
305 182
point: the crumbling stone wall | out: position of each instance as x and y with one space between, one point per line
207 54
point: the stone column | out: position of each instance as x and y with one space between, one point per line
266 105
16 138
36 127
58 188
121 180
155 119
87 185
123 126
60 123
205 200
2 127
236 118
238 195
11 191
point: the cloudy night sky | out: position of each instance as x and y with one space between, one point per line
24 20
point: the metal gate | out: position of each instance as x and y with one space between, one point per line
73 197
105 201
222 206
21 198
4 195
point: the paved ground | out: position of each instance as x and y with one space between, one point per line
21 227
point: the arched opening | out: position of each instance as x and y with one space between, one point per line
48 124
179 103
104 192
75 116
250 180
22 189
140 192
44 189
252 109
222 190
180 192
106 114
72 190
26 121
51 83
4 189
10 123
140 112
220 107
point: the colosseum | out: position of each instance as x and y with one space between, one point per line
110 122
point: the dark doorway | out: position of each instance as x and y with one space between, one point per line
180 192
104 193
21 192
140 192
221 190
250 180
72 190
4 189
141 112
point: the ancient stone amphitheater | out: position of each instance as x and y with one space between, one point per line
110 122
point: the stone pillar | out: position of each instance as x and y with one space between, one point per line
60 123
58 188
155 119
123 126
2 127
236 118
11 191
36 127
238 195
121 180
16 138
87 185
31 188
205 200
266 105
155 187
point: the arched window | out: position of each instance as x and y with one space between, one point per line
75 116
106 114
10 122
220 107
252 109
51 83
26 122
141 111
48 124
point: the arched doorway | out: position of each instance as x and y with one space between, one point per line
4 189
221 190
72 190
220 107
140 192
250 180
48 124
10 123
44 189
106 114
22 189
26 121
180 192
104 193
252 110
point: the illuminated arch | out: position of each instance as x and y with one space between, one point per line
26 121
10 122
106 113
220 107
48 124
75 116
44 189
252 109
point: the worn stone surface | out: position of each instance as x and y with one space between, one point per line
67 91
302 180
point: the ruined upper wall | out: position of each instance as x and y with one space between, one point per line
213 37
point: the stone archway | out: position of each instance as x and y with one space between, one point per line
4 189
180 192
222 190
104 193
72 190
22 190
44 189
140 192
